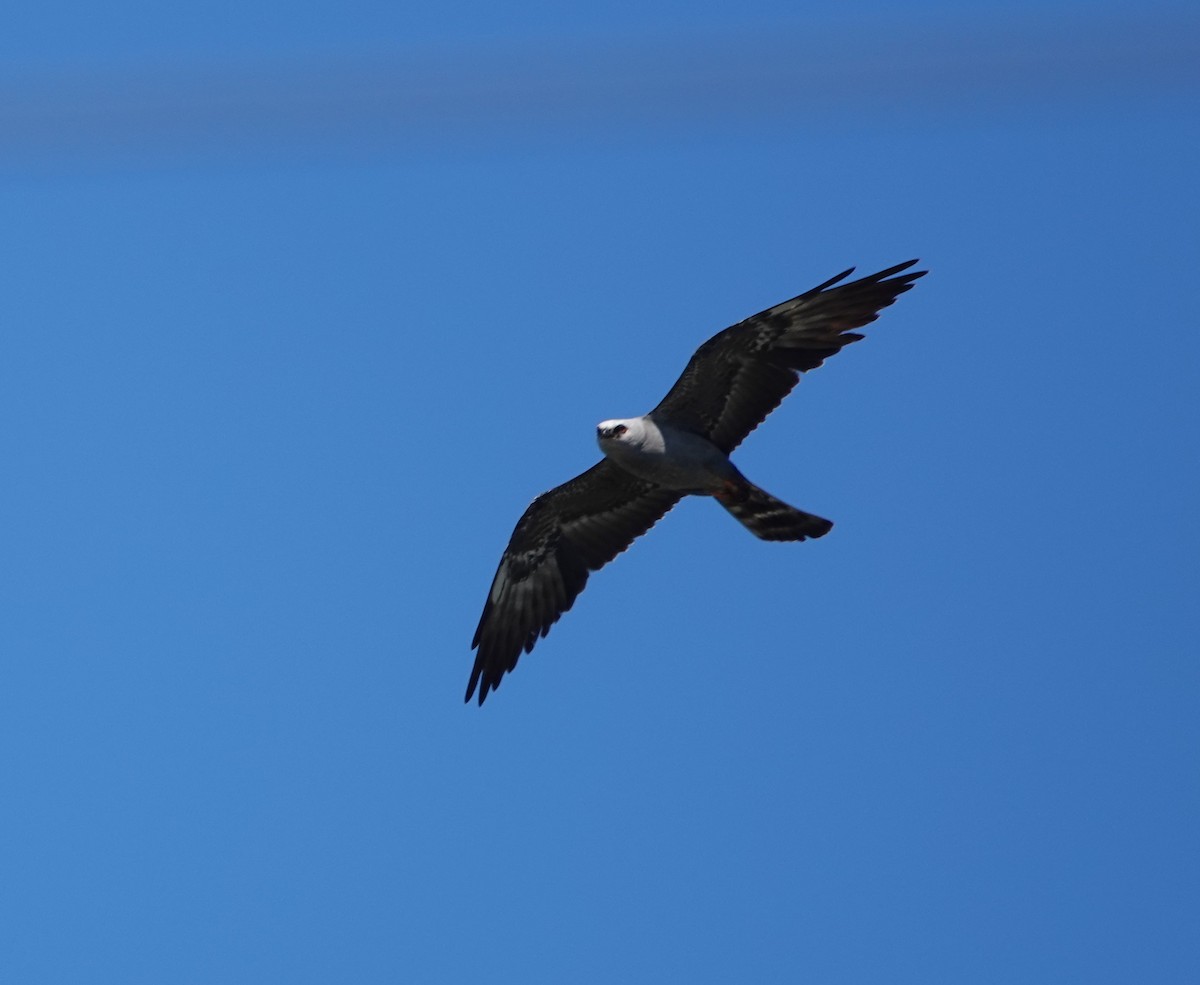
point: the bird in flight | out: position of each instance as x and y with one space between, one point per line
680 448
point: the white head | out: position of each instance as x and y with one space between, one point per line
620 431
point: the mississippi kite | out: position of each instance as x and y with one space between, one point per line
680 448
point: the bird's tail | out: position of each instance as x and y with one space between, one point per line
767 517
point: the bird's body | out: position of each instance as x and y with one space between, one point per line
682 461
670 457
680 448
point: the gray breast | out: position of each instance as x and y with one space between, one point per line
673 458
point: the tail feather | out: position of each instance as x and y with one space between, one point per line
769 518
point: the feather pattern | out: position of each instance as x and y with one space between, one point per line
742 374
566 534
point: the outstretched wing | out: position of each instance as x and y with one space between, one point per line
741 374
563 536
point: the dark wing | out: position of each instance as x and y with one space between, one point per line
563 536
741 374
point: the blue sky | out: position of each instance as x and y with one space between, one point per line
274 399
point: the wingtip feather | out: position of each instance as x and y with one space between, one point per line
832 280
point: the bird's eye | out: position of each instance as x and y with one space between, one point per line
619 430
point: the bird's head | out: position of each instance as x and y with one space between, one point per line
616 431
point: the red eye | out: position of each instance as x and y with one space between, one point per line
620 429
